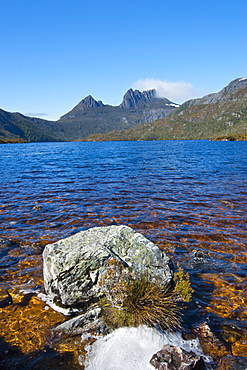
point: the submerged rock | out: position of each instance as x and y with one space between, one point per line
176 358
74 267
210 344
200 260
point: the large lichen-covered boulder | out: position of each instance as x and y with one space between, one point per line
74 267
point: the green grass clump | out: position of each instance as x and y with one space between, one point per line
182 285
151 304
143 302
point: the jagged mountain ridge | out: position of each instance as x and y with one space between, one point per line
140 100
131 100
91 117
136 99
222 114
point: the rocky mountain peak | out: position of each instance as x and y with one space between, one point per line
90 102
137 99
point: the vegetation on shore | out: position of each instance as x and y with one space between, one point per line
13 141
231 138
142 300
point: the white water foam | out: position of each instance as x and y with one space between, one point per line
133 348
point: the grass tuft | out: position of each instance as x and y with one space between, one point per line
152 304
134 301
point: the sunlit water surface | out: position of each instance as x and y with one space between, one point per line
188 197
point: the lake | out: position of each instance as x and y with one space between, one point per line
188 197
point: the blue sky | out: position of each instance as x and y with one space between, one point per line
55 53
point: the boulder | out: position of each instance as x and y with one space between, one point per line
176 358
75 267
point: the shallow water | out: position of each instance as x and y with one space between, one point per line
189 197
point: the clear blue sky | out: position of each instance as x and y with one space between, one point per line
54 53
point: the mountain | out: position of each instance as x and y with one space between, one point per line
140 116
91 117
222 114
88 102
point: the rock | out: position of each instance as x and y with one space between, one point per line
151 115
37 207
200 260
89 323
74 267
136 99
210 344
176 358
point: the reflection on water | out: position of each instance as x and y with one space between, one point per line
189 197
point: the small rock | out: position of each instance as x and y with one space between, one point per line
37 207
199 259
176 358
210 344
228 204
188 335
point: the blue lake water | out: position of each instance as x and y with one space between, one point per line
189 197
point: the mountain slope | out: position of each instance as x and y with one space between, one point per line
15 126
225 94
215 115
